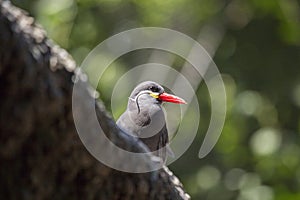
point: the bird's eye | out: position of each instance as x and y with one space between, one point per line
154 89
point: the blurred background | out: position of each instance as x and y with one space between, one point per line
256 46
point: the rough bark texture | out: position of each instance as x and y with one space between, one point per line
41 154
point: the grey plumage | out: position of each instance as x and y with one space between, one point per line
145 119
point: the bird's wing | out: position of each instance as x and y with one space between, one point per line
163 141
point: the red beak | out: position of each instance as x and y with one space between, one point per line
171 98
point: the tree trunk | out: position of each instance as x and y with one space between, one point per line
41 154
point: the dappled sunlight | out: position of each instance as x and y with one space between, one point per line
251 103
265 141
257 193
57 17
208 177
233 178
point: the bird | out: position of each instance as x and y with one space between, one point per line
144 117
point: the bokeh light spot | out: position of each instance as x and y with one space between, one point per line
232 178
265 141
208 177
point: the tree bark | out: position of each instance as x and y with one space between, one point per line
41 154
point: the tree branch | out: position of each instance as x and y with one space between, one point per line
42 154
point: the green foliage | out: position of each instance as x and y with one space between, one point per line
258 154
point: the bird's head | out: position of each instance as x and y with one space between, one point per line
149 92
